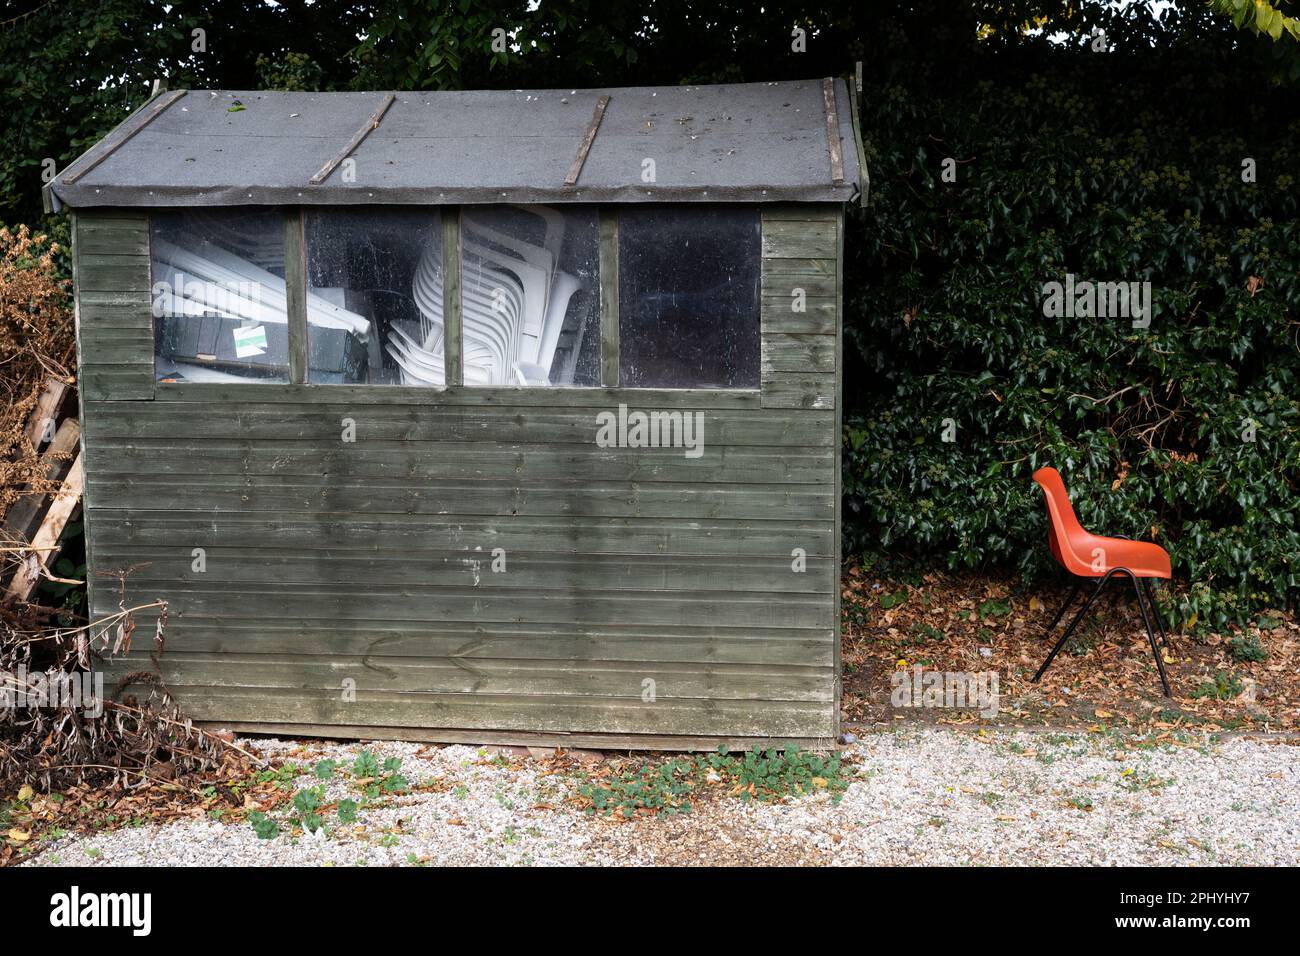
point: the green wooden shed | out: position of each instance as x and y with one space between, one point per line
503 417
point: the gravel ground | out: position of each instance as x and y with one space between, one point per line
921 796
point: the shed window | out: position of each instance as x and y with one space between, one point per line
688 292
530 295
374 296
218 296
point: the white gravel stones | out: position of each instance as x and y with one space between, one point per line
922 796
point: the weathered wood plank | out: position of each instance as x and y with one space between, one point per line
782 285
95 319
139 336
833 142
522 738
371 124
824 266
609 315
227 493
113 218
807 354
40 426
815 321
544 713
470 460
798 390
431 675
105 148
236 566
780 305
864 173
837 648
115 237
798 240
130 301
295 289
44 542
434 423
101 352
473 606
597 399
116 382
453 307
575 169
379 640
563 535
799 212
112 273
20 519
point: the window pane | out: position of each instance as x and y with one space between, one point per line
688 299
218 296
374 296
531 295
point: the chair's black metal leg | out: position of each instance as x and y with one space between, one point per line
1151 634
1155 611
1073 624
1074 593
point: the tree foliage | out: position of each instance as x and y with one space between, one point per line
1107 167
1259 16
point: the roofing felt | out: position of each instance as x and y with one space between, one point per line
751 142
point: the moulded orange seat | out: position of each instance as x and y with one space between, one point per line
1089 555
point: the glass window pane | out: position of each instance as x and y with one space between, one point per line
218 296
688 296
374 296
531 295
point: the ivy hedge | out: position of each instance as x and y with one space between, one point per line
1076 163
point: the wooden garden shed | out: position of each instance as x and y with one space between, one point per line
481 416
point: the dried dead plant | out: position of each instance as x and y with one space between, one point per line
130 744
36 342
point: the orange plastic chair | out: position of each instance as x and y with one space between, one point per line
1088 556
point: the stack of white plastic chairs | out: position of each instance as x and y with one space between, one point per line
514 302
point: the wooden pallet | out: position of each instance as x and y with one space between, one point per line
33 524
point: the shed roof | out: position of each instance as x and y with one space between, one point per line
749 142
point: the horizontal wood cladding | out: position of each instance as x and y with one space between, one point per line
543 695
335 502
391 459
558 713
325 560
110 264
326 423
598 399
433 572
376 639
800 307
526 738
472 559
587 535
470 675
468 605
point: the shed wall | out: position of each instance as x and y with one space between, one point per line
372 561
